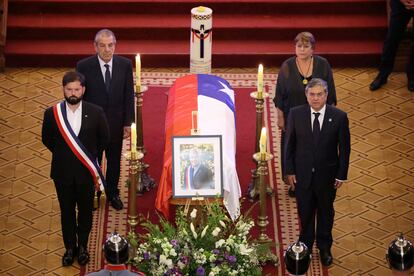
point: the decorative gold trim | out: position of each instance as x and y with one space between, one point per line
201 16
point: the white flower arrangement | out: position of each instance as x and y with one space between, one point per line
216 246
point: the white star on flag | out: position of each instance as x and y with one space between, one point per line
228 91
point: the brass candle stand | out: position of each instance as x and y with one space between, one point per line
262 159
135 170
145 182
259 99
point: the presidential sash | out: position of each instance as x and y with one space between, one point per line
84 156
189 173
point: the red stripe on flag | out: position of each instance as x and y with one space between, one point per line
182 100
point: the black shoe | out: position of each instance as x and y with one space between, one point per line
410 85
68 257
291 192
378 82
326 257
116 203
83 256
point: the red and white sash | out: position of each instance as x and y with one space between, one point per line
59 112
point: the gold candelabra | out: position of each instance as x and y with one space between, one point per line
259 98
145 181
135 170
139 93
262 159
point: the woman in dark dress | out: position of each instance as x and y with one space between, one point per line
294 74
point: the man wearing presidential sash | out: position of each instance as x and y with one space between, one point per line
75 132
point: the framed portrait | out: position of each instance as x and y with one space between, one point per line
197 169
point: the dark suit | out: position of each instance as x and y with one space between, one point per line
399 18
316 167
118 105
73 181
202 178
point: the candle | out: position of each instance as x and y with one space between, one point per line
133 138
138 70
260 82
262 142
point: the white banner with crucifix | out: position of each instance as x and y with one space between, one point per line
201 40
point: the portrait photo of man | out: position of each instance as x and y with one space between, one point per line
197 175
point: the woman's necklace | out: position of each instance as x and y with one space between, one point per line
305 80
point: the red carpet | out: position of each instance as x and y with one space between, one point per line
281 210
246 33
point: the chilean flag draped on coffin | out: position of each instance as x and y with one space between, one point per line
213 97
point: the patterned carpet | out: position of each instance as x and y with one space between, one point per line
371 209
158 84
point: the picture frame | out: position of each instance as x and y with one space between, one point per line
197 169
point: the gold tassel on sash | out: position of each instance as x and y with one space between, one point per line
99 199
95 201
99 196
103 198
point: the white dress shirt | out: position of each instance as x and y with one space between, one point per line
75 118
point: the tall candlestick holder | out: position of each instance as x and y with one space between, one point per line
262 159
146 182
259 98
135 170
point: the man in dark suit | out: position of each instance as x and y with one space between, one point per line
317 159
197 175
75 182
402 11
109 84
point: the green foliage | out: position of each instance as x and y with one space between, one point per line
199 244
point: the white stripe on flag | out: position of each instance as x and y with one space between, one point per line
216 118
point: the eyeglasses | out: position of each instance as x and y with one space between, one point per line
316 95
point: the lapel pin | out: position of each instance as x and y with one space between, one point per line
330 120
86 115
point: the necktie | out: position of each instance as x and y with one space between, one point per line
316 130
107 78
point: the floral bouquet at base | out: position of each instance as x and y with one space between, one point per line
204 244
